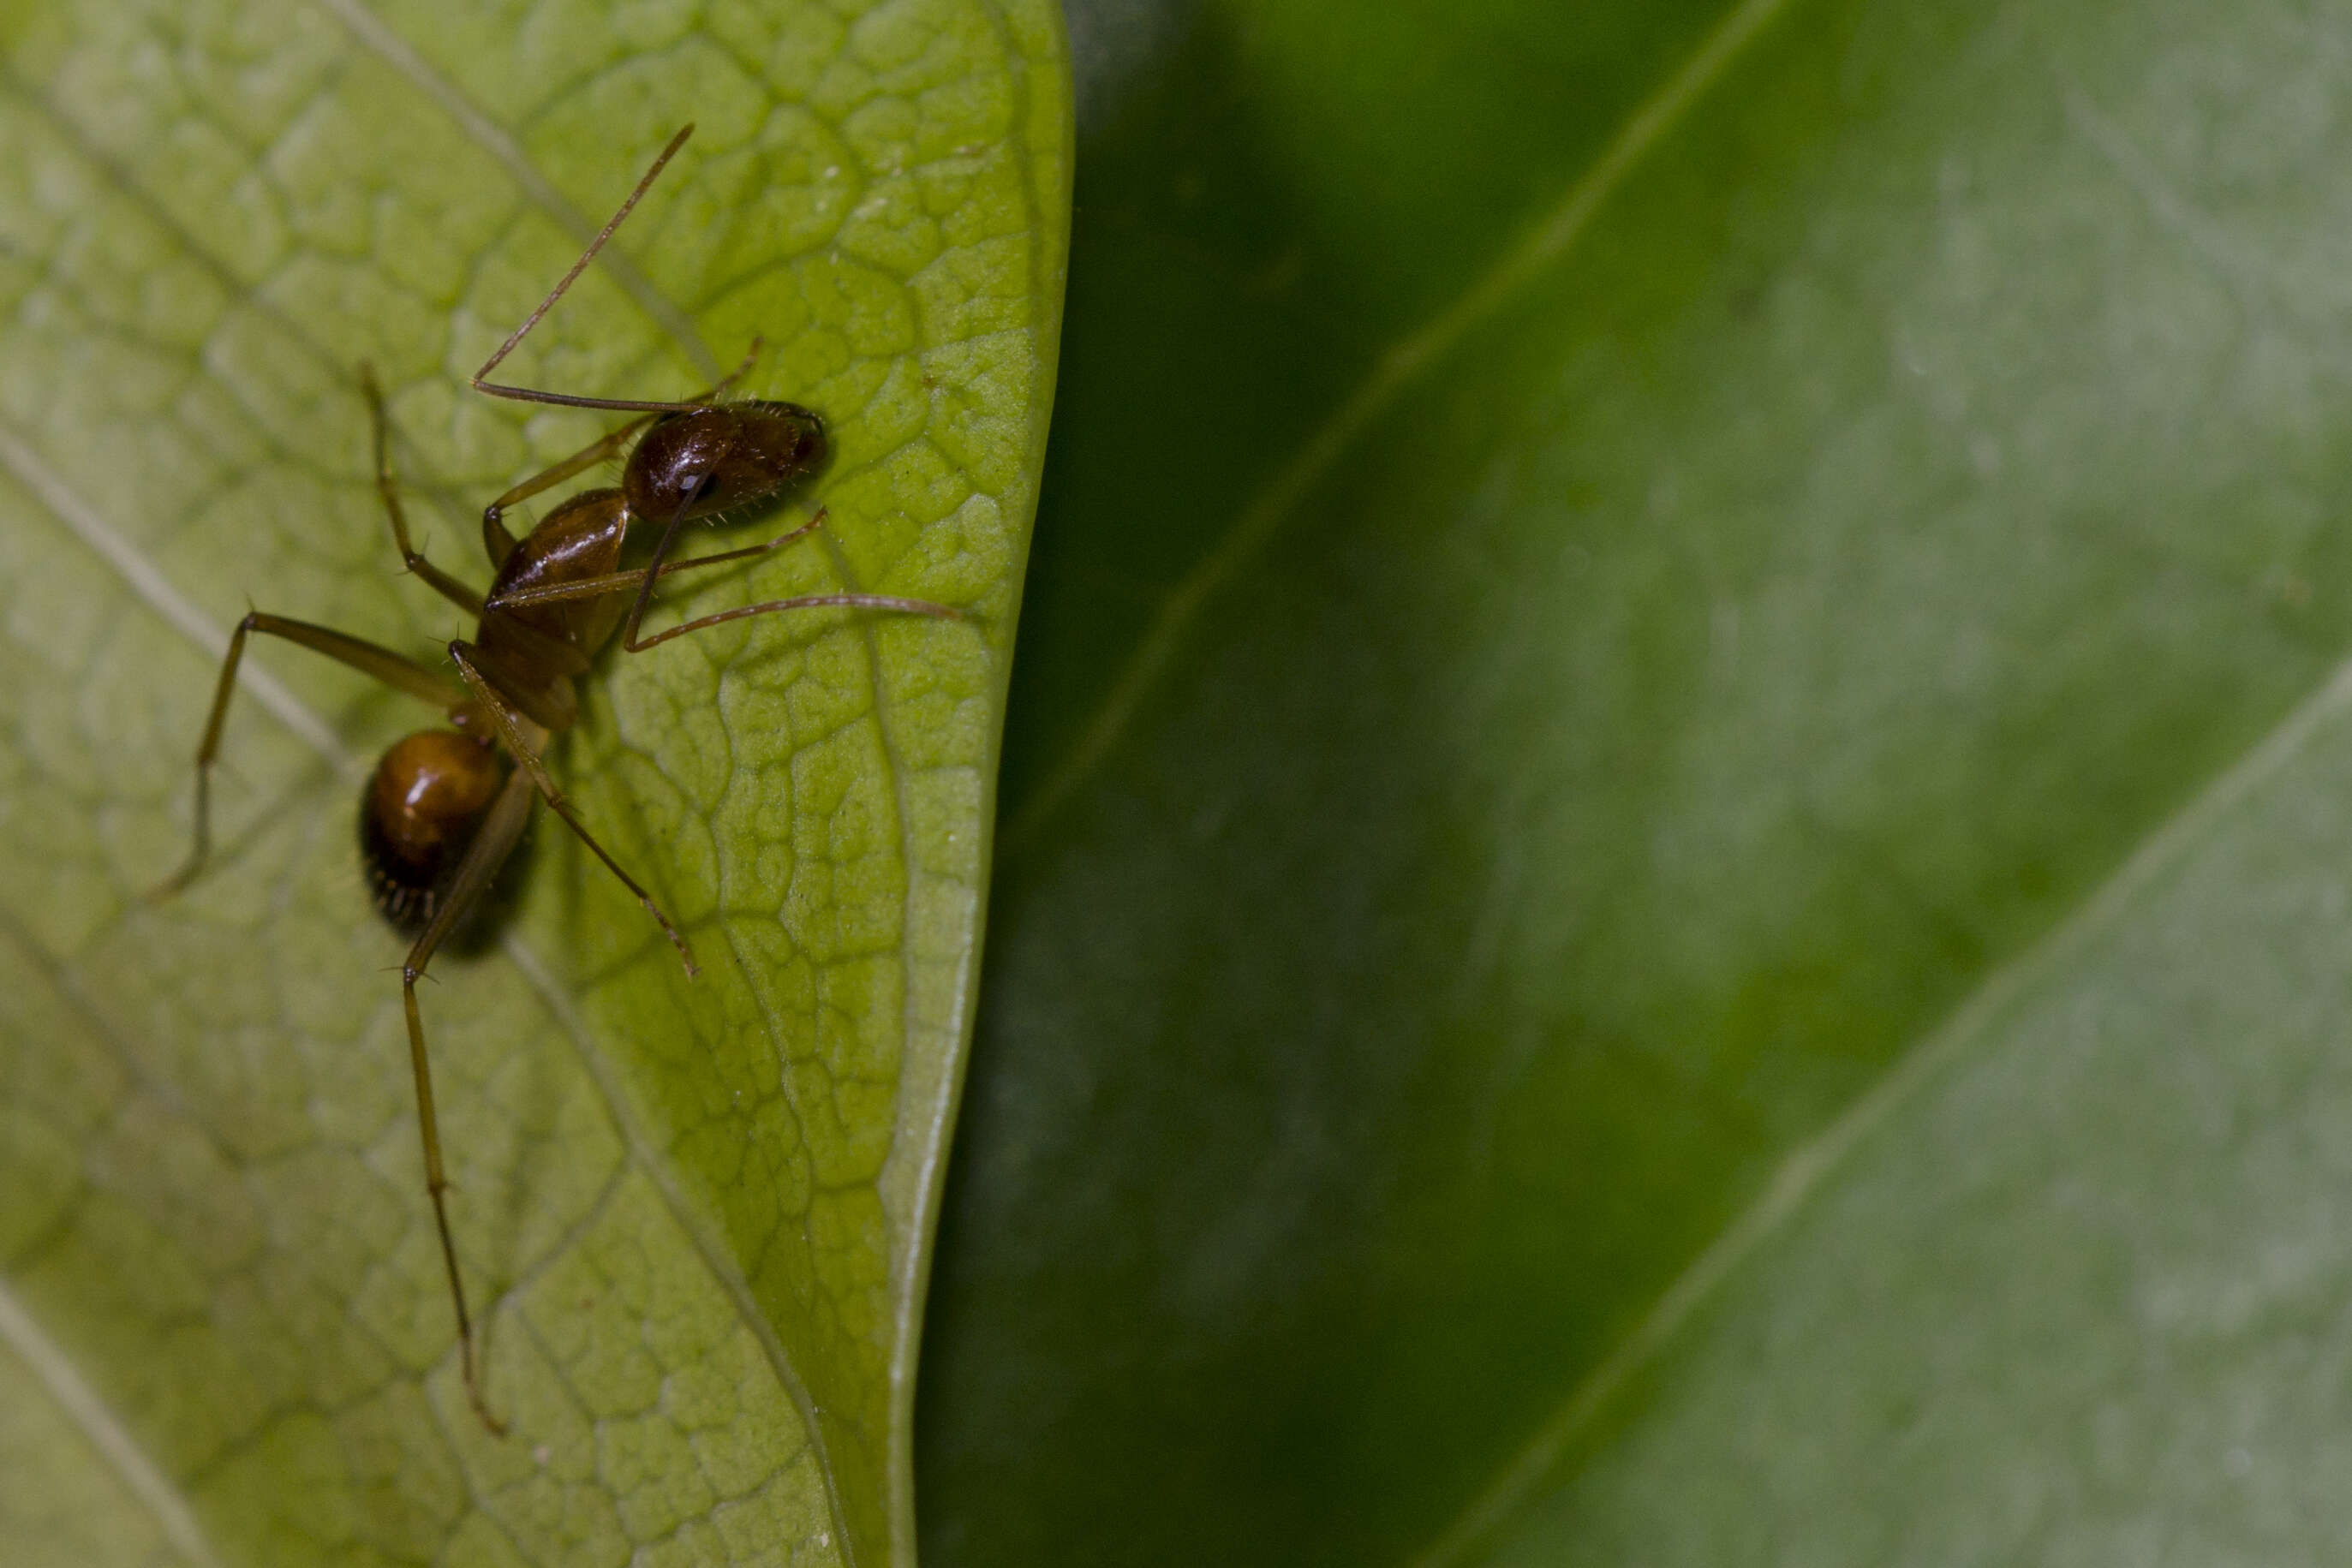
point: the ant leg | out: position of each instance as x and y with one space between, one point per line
567 400
440 582
493 842
499 542
496 543
623 581
653 570
495 538
632 642
523 746
655 565
368 658
811 601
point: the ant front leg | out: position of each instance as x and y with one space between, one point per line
369 658
635 645
632 642
494 841
623 581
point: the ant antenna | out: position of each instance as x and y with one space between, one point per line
529 394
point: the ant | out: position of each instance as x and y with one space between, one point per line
442 813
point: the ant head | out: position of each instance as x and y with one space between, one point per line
705 461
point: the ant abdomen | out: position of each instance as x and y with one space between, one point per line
704 461
419 812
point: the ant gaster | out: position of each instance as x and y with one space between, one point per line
442 813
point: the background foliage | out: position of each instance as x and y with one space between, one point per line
1675 886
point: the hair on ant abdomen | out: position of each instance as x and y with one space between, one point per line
447 806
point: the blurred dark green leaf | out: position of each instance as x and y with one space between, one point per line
1675 883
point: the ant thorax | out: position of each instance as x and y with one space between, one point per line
578 541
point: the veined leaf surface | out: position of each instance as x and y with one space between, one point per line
695 1216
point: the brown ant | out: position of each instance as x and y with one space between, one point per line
441 814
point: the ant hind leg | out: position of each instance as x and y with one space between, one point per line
510 813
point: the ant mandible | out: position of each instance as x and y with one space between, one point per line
441 815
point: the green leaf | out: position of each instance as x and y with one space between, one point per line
695 1217
1675 875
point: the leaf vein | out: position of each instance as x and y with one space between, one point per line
88 1412
1393 372
1811 1164
373 34
148 581
685 1214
